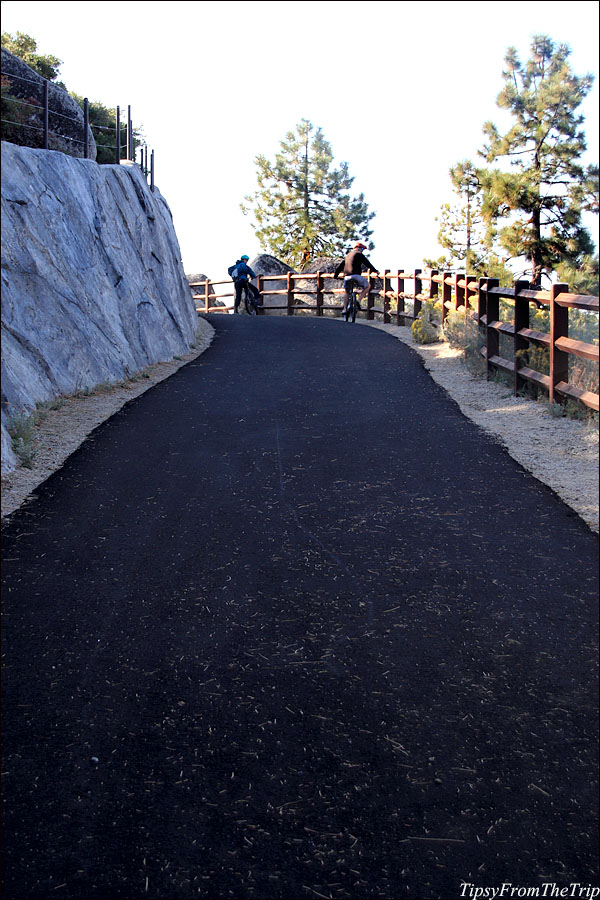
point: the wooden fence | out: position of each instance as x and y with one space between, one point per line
457 292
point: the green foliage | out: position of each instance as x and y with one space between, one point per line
25 47
303 207
462 230
424 330
582 277
546 189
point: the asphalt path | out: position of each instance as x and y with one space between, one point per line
289 625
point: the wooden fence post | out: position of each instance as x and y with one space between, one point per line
459 293
370 313
260 288
469 279
386 299
206 283
290 294
559 327
492 338
433 285
521 320
417 304
400 309
446 295
319 300
481 300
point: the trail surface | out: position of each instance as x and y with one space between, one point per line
290 626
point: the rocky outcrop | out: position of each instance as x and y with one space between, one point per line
93 288
198 292
65 117
327 264
269 265
320 264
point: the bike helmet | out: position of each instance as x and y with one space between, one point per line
360 246
244 256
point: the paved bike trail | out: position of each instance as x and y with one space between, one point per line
290 626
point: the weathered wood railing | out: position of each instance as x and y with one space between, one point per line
458 292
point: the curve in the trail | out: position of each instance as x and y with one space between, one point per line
289 625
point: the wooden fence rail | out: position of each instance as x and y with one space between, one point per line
455 292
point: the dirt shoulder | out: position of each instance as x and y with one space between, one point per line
561 453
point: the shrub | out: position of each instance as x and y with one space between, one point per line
424 329
21 429
462 333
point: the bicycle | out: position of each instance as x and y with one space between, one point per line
352 306
251 302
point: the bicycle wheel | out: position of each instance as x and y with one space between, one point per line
353 306
250 303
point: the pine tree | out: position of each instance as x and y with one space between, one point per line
546 188
462 230
303 207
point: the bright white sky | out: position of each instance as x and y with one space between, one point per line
213 84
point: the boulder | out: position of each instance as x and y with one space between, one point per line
65 117
198 292
321 264
93 288
328 264
263 264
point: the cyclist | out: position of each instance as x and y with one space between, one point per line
240 272
353 265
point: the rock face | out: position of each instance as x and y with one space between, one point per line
263 264
65 117
93 288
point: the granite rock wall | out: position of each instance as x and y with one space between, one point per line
93 287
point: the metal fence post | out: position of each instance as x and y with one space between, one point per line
152 171
118 141
45 115
129 146
86 125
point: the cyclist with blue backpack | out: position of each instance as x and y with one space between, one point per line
240 273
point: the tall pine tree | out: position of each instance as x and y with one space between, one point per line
545 188
303 207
